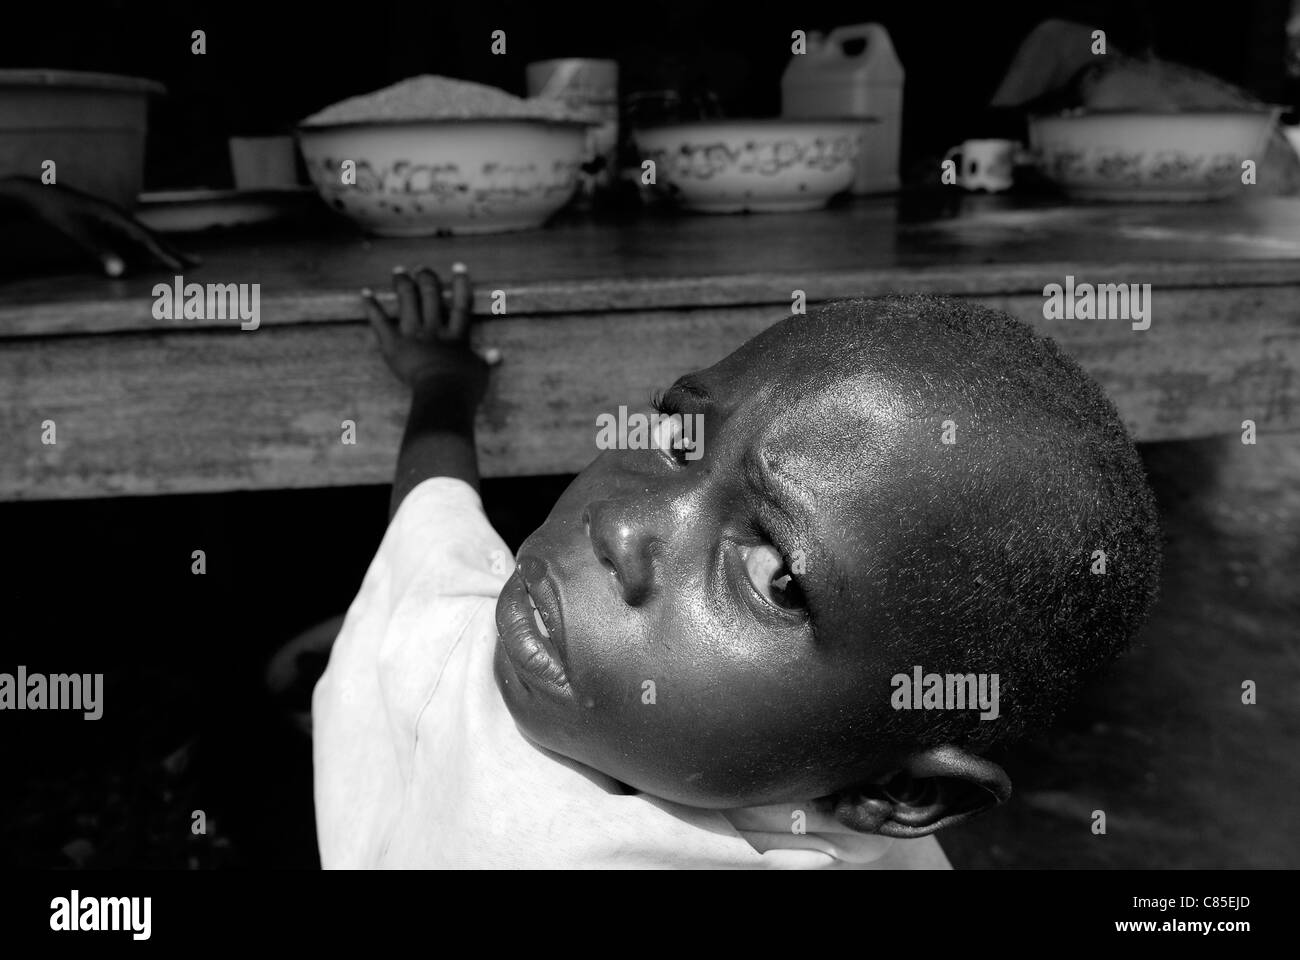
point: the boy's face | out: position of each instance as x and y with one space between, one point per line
688 655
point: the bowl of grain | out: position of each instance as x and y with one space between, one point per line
432 155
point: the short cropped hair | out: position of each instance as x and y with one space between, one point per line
1008 533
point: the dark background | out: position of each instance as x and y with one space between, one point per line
270 64
1189 778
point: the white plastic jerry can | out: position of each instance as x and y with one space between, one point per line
827 82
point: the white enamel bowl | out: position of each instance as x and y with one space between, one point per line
1127 156
735 166
417 179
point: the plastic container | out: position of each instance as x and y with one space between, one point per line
264 163
829 82
92 125
590 87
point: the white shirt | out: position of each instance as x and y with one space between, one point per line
418 763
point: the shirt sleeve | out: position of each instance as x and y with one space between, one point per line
440 543
439 563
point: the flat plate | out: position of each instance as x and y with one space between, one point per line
186 211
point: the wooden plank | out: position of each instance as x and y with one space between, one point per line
209 411
542 300
995 246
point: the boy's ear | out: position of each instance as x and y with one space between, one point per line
931 789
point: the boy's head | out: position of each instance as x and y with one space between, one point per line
884 485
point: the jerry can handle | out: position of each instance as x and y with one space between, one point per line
870 32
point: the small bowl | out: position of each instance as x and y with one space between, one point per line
759 166
420 178
1134 156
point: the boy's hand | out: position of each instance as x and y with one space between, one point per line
106 234
428 342
427 346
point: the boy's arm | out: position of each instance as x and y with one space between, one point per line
438 441
427 347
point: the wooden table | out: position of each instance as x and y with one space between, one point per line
600 313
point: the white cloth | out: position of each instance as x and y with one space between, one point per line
418 763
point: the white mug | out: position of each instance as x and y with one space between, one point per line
984 164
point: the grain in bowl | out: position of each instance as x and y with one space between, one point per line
435 155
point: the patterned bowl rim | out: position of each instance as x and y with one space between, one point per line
773 123
1200 113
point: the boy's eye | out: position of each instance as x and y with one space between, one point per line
669 433
767 572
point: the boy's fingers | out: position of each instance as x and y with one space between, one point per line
379 320
158 249
462 297
110 262
97 239
165 254
430 302
408 303
110 235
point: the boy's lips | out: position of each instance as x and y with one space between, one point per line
530 626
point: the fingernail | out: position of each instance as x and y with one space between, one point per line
367 292
491 356
399 269
459 268
113 266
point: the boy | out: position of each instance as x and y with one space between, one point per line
707 660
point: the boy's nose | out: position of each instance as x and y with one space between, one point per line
623 542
